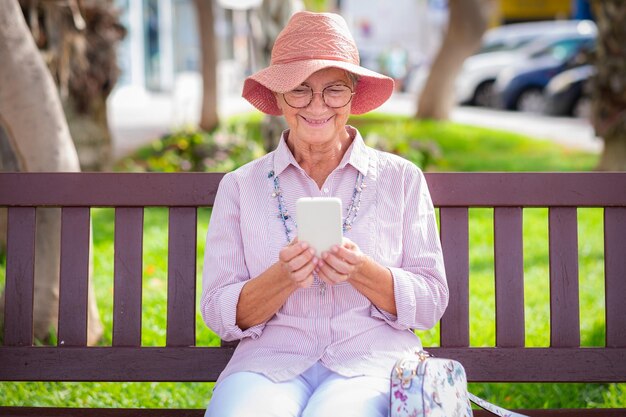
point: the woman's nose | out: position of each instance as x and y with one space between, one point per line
315 101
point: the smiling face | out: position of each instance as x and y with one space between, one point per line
317 124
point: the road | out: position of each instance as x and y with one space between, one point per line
137 117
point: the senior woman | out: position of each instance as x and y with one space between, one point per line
319 334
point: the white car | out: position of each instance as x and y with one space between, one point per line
505 45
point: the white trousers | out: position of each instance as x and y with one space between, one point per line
318 392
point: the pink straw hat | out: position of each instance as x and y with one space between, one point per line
311 42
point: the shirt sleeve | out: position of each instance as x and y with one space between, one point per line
225 272
420 286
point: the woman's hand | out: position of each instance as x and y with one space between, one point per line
340 263
298 261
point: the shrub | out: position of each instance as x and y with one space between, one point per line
188 150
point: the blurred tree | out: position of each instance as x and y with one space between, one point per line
78 40
208 114
609 84
273 16
36 131
320 5
466 25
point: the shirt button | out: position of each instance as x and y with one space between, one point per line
325 190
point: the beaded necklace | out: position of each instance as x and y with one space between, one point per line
351 213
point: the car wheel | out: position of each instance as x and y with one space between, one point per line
531 101
582 108
483 96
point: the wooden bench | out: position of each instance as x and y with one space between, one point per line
180 360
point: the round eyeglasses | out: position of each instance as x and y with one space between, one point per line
334 96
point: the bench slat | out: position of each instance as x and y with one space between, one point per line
129 364
127 276
20 276
154 412
509 275
564 300
109 189
160 412
202 364
615 275
181 281
564 412
74 276
98 412
529 189
454 242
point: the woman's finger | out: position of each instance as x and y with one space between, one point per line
292 250
304 276
303 259
348 255
331 275
338 264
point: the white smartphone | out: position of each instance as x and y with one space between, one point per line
319 222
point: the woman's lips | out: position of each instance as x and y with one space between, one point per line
317 122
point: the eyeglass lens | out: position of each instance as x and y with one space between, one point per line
334 96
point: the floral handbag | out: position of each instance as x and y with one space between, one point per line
424 386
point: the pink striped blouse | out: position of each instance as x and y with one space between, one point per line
340 327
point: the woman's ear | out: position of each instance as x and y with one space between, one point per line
279 101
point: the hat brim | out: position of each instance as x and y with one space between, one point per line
372 90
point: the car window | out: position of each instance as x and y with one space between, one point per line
508 45
561 50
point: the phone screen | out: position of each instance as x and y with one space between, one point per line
319 222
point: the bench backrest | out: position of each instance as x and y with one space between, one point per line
181 360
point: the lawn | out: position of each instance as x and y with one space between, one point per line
438 147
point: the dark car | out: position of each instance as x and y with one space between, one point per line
520 86
505 45
568 94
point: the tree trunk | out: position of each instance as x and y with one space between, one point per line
91 134
609 84
29 103
32 115
8 159
79 45
208 115
466 25
8 162
273 16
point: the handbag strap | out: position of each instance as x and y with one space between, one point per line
492 408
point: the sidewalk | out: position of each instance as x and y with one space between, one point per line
571 132
137 117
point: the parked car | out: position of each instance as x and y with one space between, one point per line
568 94
505 45
516 35
520 86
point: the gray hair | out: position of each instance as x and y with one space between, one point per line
354 78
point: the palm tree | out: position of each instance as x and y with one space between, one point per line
208 113
467 23
609 84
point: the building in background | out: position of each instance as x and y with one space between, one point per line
162 44
512 11
396 40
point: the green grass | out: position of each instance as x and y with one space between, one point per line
470 148
457 148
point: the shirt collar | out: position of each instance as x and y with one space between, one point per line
356 155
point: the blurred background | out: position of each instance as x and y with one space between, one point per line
129 72
160 60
